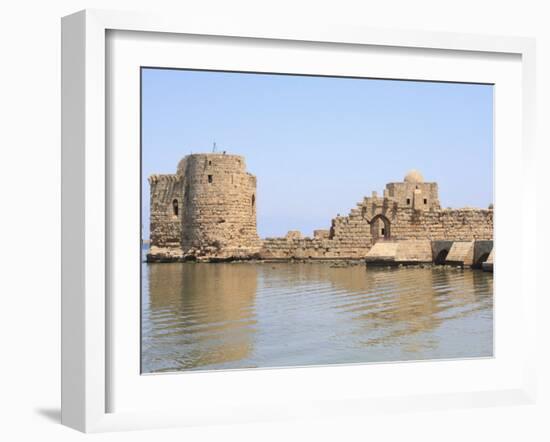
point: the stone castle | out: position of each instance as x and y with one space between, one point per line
207 211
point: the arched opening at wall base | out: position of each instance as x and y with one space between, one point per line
479 262
441 257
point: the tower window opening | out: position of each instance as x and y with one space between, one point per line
408 201
209 162
175 207
253 200
425 200
209 178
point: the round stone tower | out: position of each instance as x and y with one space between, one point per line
218 207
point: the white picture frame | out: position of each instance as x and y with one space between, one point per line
87 310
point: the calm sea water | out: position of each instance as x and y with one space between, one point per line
242 315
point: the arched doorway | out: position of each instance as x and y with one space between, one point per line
380 228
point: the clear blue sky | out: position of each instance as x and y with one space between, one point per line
317 145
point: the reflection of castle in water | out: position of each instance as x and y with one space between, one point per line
420 300
405 301
202 315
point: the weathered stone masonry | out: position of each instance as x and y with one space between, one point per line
165 224
407 210
207 209
216 217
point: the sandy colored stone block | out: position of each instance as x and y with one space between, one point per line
461 253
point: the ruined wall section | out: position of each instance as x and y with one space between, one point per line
165 213
219 196
351 236
465 224
348 238
309 248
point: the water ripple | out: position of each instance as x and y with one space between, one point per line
212 316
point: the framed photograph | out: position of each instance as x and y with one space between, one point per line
262 222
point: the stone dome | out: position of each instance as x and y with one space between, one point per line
414 176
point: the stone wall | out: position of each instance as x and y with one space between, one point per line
353 236
166 211
309 248
442 224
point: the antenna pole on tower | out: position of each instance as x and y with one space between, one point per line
214 147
